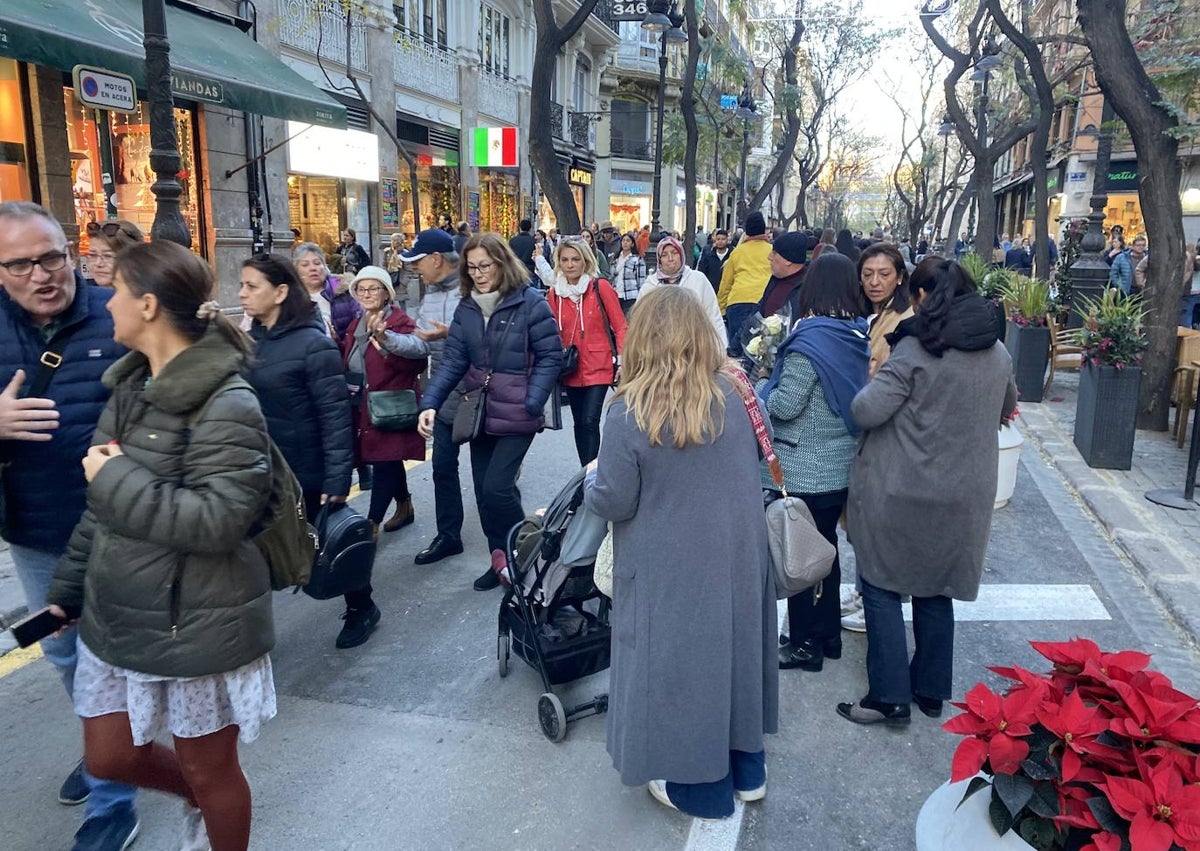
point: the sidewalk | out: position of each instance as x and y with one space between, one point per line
1163 543
12 598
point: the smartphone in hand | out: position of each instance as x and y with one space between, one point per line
37 626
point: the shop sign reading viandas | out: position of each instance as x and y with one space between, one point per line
196 88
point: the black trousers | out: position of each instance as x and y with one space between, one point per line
495 464
820 617
391 483
447 492
360 599
587 406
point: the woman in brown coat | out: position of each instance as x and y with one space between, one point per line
884 277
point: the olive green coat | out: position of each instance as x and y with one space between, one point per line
161 563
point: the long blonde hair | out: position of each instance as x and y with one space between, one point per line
591 267
669 369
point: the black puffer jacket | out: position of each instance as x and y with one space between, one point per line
297 373
162 564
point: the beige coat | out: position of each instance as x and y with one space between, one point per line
884 324
1189 263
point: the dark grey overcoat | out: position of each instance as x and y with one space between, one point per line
694 670
924 479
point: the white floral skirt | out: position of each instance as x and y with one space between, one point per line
184 707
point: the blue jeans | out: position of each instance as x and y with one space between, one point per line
715 800
892 678
35 569
1187 309
736 316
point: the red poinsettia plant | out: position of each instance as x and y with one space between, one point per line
1100 754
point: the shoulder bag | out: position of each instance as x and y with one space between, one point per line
612 337
392 410
468 420
801 557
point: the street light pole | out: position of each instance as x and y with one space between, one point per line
164 147
746 111
664 18
945 131
1089 273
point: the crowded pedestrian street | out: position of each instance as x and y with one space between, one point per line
413 741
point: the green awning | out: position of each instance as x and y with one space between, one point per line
211 60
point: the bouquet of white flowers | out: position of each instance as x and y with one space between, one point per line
761 339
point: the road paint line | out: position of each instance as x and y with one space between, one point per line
18 659
716 835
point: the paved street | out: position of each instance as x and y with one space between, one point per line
413 740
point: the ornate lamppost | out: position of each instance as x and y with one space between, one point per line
945 130
662 17
747 111
989 61
1089 273
164 146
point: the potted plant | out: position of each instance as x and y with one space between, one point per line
1100 754
1109 379
1027 301
1010 453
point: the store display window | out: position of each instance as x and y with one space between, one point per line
14 148
438 189
115 147
499 196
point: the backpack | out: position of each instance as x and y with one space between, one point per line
282 534
346 552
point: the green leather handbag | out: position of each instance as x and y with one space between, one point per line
392 410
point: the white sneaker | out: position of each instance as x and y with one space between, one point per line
658 789
851 601
856 621
195 836
748 795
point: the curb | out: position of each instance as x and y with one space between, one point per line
1164 565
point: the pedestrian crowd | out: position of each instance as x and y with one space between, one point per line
138 423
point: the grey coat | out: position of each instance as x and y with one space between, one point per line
924 479
694 671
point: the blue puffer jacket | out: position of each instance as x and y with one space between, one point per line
44 486
526 368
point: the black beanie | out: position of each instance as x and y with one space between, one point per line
756 225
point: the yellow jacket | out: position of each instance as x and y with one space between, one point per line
746 272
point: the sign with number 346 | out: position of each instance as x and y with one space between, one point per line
628 10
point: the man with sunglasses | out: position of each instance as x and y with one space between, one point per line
56 340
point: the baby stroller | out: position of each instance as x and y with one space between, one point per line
552 616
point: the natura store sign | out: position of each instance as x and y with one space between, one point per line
325 152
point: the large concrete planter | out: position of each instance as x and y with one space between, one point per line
1029 347
1106 415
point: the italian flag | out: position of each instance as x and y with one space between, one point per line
495 146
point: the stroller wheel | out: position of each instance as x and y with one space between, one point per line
502 654
552 717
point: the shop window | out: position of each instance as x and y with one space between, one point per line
630 121
423 19
438 188
14 149
118 145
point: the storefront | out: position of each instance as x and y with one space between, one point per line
629 204
14 147
579 179
1124 207
438 188
330 175
499 200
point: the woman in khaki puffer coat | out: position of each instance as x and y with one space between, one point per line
176 617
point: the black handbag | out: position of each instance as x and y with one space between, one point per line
468 420
392 410
570 361
345 555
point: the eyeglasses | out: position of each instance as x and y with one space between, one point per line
481 269
23 267
101 256
371 290
111 229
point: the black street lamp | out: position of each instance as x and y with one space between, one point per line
662 17
1089 273
946 130
164 147
747 112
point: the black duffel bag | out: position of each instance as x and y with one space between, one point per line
345 554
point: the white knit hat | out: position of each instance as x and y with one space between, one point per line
374 273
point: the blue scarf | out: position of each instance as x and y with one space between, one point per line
840 355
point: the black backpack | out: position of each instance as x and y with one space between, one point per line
345 554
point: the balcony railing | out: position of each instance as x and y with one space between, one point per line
319 27
581 130
603 13
426 68
498 97
635 149
556 120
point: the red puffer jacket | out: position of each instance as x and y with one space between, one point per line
386 372
590 333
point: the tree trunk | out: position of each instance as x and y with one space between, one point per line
688 108
956 216
791 131
1136 100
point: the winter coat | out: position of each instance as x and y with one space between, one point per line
386 370
882 324
525 369
440 301
629 275
1019 259
44 486
354 256
746 272
711 264
343 307
601 311
697 284
162 562
924 479
790 299
694 670
297 373
522 245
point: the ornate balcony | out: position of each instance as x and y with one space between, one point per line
319 27
498 98
556 120
581 130
603 13
427 69
634 149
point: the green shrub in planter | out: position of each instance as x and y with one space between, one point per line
1027 303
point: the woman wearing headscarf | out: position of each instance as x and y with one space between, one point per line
884 276
694 685
819 369
922 487
672 271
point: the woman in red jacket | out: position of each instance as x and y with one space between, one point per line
380 353
589 317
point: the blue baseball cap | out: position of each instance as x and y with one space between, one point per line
432 241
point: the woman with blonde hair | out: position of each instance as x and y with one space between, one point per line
691 697
503 337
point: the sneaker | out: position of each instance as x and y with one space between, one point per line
360 623
74 790
658 789
852 601
748 795
194 836
114 831
855 622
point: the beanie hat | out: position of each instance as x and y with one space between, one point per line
756 225
374 273
791 246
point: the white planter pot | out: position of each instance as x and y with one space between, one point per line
1010 453
942 827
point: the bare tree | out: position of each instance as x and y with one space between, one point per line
551 38
688 108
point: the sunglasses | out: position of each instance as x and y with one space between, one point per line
111 229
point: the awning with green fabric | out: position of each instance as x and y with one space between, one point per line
211 60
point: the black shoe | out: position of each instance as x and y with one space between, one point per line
365 477
360 623
868 711
488 581
808 656
74 790
783 639
442 546
832 647
114 831
928 705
